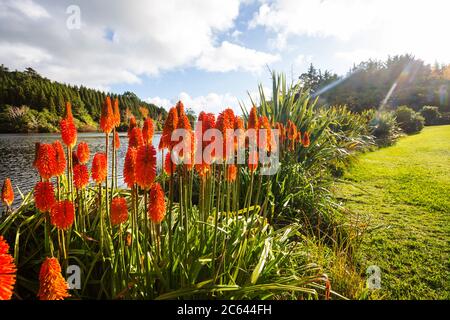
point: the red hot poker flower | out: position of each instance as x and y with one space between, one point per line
99 167
169 126
187 141
225 123
7 192
253 122
136 139
291 130
107 120
132 125
147 130
68 132
52 285
116 113
60 159
46 161
208 121
116 141
169 166
80 176
180 108
44 196
264 142
157 204
145 166
62 214
129 167
68 114
7 271
83 152
305 140
119 211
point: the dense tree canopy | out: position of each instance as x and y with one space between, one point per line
37 103
400 80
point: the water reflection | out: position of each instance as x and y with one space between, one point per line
17 155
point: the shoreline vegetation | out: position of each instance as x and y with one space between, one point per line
203 231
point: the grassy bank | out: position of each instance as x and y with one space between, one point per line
404 192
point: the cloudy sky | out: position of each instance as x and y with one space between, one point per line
209 53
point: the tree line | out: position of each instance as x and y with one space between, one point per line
399 80
31 102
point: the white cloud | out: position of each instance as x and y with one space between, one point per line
231 57
401 26
160 102
301 60
148 37
23 7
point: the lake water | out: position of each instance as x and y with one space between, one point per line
17 155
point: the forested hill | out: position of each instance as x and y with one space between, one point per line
32 103
399 80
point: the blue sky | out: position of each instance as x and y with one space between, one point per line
209 53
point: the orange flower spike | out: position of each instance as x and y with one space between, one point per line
46 161
225 121
99 167
231 173
83 152
80 176
129 167
44 196
180 108
107 120
68 113
169 166
169 126
60 159
68 132
119 211
183 123
52 285
145 166
305 140
292 130
62 214
208 122
7 271
148 130
253 122
264 124
116 141
7 192
116 112
157 204
136 138
132 125
238 125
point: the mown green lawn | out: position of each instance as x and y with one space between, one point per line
405 192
